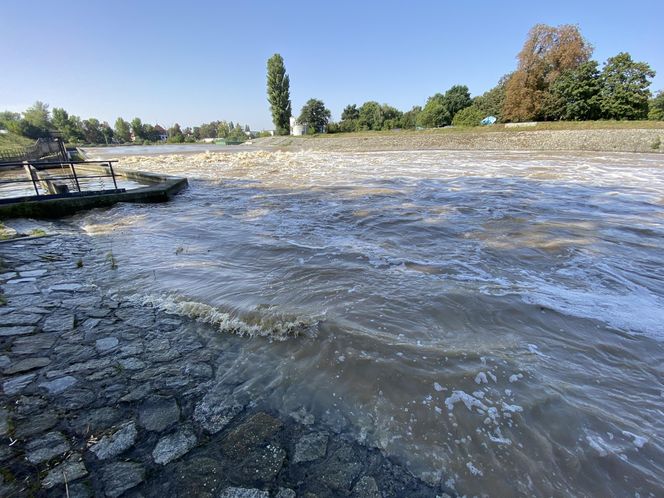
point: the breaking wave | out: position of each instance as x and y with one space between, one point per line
261 322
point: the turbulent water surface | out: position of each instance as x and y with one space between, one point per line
494 320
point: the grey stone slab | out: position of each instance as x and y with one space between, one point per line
75 399
233 492
285 493
137 394
26 365
59 385
262 463
310 447
66 287
119 477
117 442
21 280
36 424
23 289
61 322
216 410
366 487
95 420
174 446
20 319
132 363
106 344
47 447
4 361
8 275
68 471
33 344
17 330
4 421
17 384
157 413
34 273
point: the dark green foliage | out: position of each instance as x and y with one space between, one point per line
575 95
122 131
435 112
92 132
138 129
315 115
469 116
70 126
175 134
409 118
625 90
457 98
278 94
656 107
370 116
491 102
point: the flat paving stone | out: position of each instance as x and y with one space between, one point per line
33 273
59 385
157 413
49 446
26 365
17 384
21 319
174 446
4 361
59 323
16 330
119 441
106 344
65 287
36 424
118 477
33 344
69 470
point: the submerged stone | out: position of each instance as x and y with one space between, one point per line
118 477
366 487
216 410
243 493
157 413
174 446
310 447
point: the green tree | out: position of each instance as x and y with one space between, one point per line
7 117
278 94
547 53
175 134
409 118
491 102
625 88
349 117
656 107
138 129
38 115
92 133
107 132
468 116
435 112
370 116
575 95
457 98
68 126
122 131
315 115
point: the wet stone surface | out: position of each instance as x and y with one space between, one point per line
115 400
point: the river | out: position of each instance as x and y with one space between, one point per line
491 319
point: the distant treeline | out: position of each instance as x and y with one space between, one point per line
555 79
38 121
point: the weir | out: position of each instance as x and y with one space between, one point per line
58 188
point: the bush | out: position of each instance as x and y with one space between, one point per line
470 116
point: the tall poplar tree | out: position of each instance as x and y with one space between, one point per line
278 94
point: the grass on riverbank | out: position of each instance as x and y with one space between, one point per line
14 140
544 125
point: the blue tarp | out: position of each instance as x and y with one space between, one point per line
489 120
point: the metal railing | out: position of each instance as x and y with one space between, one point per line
37 175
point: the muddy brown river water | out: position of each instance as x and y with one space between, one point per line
492 319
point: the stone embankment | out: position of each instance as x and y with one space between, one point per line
101 397
606 140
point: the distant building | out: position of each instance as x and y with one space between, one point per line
296 128
163 134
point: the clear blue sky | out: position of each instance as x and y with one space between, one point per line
194 62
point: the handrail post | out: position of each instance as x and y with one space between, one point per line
73 172
28 169
110 166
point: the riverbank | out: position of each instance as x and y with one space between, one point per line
609 139
104 397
